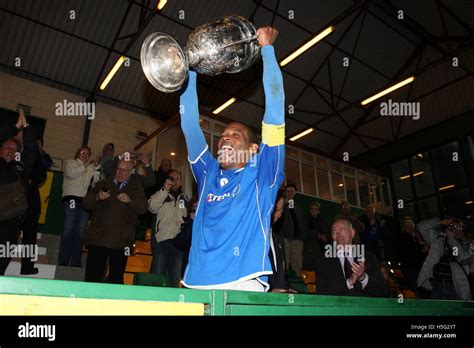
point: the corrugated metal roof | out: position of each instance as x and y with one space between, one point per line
70 53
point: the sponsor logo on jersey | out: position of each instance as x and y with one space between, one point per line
218 198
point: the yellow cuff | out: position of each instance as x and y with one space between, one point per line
273 135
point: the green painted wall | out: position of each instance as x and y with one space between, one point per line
221 302
54 215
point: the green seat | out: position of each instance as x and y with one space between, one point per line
152 279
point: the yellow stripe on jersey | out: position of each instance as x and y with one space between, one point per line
273 135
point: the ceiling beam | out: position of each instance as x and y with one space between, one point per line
367 112
326 41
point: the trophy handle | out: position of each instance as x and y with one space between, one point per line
246 40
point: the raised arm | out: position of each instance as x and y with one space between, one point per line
189 111
272 79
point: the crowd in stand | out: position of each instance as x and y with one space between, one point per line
104 199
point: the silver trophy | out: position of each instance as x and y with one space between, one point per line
226 46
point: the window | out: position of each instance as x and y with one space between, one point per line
373 194
363 194
458 204
309 179
349 170
408 212
322 162
384 187
351 191
401 180
204 123
337 187
323 184
361 175
428 208
422 175
218 128
291 152
207 136
307 157
292 169
447 164
336 166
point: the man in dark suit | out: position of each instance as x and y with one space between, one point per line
346 269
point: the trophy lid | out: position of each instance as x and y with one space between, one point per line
163 62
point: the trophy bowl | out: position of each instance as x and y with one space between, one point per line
227 46
164 62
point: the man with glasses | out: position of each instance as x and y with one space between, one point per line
115 204
347 269
445 271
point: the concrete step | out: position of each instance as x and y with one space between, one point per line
70 273
53 257
45 271
49 241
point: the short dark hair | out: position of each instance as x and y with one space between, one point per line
78 152
252 136
315 204
292 185
177 172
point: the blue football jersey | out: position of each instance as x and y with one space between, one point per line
231 239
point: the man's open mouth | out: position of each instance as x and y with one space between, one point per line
226 153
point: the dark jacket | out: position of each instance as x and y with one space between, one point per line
26 169
113 223
313 247
183 239
29 155
278 279
330 279
8 173
287 230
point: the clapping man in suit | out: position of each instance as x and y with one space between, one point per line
347 269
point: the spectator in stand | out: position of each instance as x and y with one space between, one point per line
278 281
169 205
115 203
30 226
162 173
413 251
78 174
317 237
147 180
345 214
346 272
107 161
371 235
446 268
293 230
15 172
183 239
